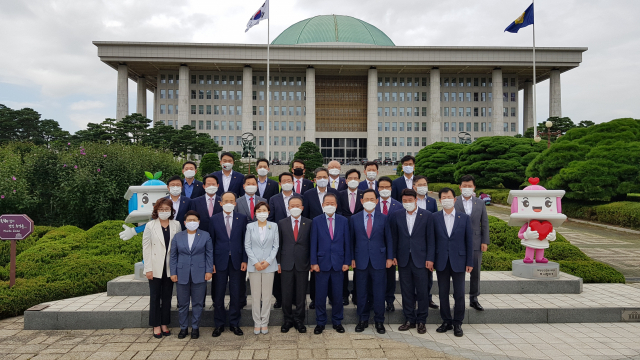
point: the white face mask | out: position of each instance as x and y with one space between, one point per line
295 212
447 203
250 189
189 174
322 183
467 192
227 166
228 208
334 172
385 193
164 215
371 175
175 190
192 225
409 206
353 184
263 172
262 216
329 210
422 190
211 189
369 206
287 187
407 169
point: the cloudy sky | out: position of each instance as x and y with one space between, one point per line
49 63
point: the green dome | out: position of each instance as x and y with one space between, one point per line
332 29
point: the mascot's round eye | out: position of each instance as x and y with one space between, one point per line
145 200
525 203
547 203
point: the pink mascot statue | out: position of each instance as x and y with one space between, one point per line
539 212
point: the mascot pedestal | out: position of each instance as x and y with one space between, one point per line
538 212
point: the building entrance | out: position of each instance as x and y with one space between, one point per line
342 149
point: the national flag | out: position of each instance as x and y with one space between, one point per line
261 14
524 20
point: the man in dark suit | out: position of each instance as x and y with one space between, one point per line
227 230
209 204
192 188
413 249
335 180
313 208
181 203
293 264
349 203
247 202
469 204
330 257
279 205
372 253
229 180
371 173
300 184
453 236
406 180
266 187
387 206
422 188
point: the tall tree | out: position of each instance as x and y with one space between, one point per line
563 124
310 154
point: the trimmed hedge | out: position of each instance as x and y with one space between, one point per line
22 245
622 213
498 196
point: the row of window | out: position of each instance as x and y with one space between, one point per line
394 155
299 81
395 142
460 126
275 125
446 82
394 126
277 141
217 109
299 95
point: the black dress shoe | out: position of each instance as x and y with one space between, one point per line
476 305
157 336
406 326
183 333
339 328
312 305
243 304
195 333
422 329
286 327
300 327
318 330
361 326
277 305
236 330
345 301
354 300
457 330
433 305
166 333
217 331
380 328
390 307
444 327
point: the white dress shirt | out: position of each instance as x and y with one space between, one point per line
422 203
286 201
449 219
191 238
371 184
366 218
226 181
333 222
408 181
293 222
321 195
468 205
381 204
262 230
411 219
176 205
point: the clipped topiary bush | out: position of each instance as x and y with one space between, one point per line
22 245
438 161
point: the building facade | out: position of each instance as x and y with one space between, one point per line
341 83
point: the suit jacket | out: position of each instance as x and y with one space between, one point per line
312 204
154 250
271 189
223 246
185 205
243 207
306 185
457 248
198 189
278 208
330 254
257 250
393 206
418 245
292 253
343 203
200 205
235 184
397 186
364 185
342 183
432 206
479 221
194 262
377 248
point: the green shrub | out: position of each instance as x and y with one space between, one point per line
22 245
209 164
592 271
621 213
438 161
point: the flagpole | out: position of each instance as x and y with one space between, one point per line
268 140
535 120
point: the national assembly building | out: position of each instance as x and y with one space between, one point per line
339 82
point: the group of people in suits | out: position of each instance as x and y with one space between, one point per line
297 234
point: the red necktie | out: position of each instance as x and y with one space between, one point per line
298 187
369 225
370 184
251 207
385 210
331 227
295 231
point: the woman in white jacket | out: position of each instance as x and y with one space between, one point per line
261 243
156 242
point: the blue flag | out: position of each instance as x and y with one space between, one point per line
524 20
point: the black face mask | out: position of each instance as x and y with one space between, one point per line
298 172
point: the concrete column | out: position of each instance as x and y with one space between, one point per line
122 101
555 103
372 114
247 101
434 119
310 103
183 98
498 104
527 119
141 100
155 105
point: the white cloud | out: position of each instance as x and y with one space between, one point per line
86 105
